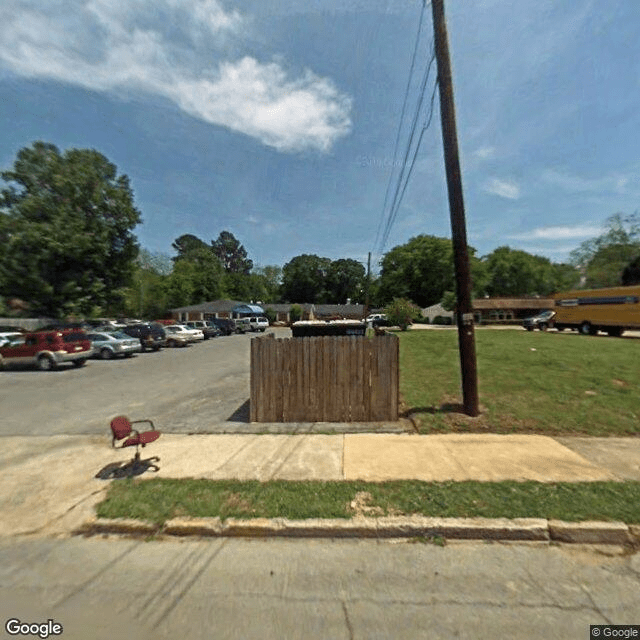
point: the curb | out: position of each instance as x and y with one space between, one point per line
519 529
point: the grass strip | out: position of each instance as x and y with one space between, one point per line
159 499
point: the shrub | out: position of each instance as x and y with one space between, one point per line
271 315
295 313
402 313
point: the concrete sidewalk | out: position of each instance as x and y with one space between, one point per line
48 486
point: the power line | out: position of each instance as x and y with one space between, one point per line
404 105
394 210
395 203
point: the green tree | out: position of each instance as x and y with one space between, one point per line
420 270
187 243
605 257
631 273
196 278
231 253
271 277
512 272
345 279
66 223
449 301
304 278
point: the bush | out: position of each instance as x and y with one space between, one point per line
402 313
442 320
271 315
295 313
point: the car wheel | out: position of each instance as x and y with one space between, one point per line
529 328
80 363
128 355
586 329
542 326
45 363
106 354
171 343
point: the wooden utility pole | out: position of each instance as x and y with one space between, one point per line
464 308
368 285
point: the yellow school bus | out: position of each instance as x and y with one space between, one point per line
612 310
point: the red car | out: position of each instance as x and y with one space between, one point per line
48 349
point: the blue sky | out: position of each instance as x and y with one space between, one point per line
277 119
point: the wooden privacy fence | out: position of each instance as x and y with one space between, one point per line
324 379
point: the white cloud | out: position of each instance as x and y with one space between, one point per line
503 188
560 233
485 153
576 184
171 48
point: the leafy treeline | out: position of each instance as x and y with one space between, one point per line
67 247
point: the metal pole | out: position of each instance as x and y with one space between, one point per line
464 308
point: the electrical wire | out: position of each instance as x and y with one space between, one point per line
394 211
397 198
404 105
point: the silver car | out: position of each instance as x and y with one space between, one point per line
114 343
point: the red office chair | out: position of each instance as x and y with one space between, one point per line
121 428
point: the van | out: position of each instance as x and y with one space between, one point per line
612 310
259 323
243 325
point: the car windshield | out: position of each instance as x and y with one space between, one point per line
120 335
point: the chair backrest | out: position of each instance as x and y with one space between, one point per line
120 427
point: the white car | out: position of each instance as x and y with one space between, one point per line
192 335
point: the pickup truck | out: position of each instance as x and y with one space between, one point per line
48 349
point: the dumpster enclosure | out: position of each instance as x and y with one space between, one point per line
324 379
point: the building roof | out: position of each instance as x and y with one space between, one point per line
339 310
285 308
512 303
248 308
436 310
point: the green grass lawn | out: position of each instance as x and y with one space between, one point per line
529 382
159 499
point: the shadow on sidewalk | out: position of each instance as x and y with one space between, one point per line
128 469
242 413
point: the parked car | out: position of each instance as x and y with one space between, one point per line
151 335
107 345
226 325
193 335
259 323
209 329
377 320
243 325
47 349
176 337
542 320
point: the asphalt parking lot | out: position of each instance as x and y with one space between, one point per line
198 389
